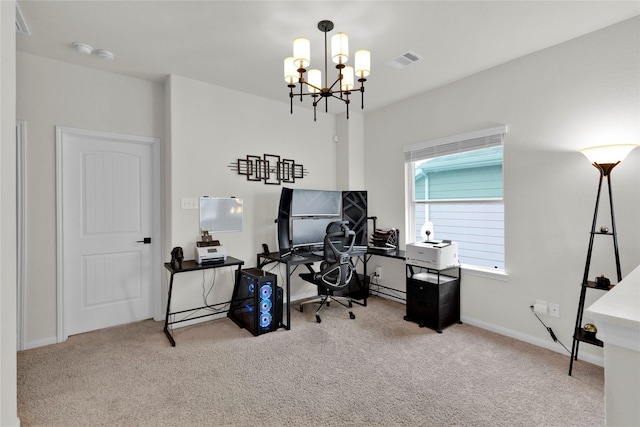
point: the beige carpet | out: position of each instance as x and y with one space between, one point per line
376 370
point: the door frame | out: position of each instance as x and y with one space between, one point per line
21 182
156 210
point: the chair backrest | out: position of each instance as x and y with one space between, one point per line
337 269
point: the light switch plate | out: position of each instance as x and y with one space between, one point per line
188 203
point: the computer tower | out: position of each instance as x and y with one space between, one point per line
257 302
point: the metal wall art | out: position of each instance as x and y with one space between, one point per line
269 168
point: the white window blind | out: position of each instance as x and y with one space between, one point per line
454 144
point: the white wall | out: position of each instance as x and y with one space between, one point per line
210 128
8 372
52 93
581 93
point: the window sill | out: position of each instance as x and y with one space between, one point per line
486 272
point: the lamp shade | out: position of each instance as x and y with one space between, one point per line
340 48
608 154
347 79
314 80
302 52
362 63
290 71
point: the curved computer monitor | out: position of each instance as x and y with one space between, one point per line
303 216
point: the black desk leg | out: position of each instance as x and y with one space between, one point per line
166 320
288 302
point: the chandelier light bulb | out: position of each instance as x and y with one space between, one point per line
362 63
290 71
347 78
302 52
315 79
340 48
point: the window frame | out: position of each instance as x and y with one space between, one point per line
452 144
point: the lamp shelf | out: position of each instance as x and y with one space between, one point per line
589 338
593 285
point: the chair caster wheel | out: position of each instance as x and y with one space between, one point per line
318 319
350 304
351 315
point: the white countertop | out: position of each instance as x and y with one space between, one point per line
617 313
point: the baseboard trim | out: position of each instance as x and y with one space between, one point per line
28 345
553 346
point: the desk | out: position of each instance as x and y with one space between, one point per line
307 260
395 254
289 260
194 266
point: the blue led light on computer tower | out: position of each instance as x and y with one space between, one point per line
265 320
265 290
265 306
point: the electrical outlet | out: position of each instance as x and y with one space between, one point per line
554 310
378 273
188 203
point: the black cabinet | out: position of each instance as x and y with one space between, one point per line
433 297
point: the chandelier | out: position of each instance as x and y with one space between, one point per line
313 85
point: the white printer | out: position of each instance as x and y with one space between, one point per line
205 254
432 254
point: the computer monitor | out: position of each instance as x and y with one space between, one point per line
308 233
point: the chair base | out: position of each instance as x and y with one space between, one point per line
325 300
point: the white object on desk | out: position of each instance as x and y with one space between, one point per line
438 255
210 254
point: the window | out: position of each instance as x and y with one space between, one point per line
454 189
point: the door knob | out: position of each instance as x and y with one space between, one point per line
146 240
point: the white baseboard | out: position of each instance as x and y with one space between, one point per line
40 343
549 345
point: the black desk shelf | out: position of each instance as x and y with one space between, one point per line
194 266
433 297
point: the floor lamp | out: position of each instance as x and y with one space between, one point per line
604 158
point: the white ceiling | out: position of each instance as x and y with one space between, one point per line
241 44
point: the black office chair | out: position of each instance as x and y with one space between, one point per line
336 270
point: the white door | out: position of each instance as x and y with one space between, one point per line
105 185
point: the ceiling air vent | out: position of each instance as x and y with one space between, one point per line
405 59
21 23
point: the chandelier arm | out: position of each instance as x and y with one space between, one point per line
315 87
347 102
334 83
341 98
291 97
